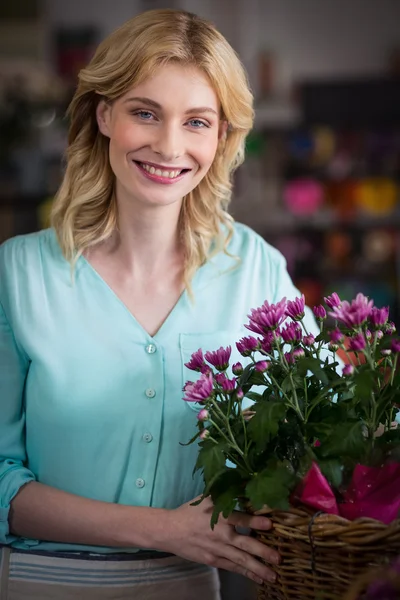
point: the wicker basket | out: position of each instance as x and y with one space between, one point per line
324 555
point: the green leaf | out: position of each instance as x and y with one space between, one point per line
314 365
264 424
253 396
332 469
346 440
364 383
224 492
194 438
211 459
270 487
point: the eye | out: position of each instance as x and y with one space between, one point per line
145 115
197 123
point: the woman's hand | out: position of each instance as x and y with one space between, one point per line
189 535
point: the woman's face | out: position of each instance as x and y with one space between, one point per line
163 135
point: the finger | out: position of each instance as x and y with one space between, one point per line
241 519
234 568
252 546
247 565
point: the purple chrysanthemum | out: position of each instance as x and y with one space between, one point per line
336 336
196 362
308 340
295 308
290 359
237 368
247 345
219 358
292 332
390 328
262 366
319 312
348 370
200 390
357 342
333 301
379 316
267 317
395 346
354 314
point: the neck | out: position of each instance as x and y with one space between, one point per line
148 237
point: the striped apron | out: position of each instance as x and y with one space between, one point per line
30 575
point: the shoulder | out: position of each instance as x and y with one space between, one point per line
251 248
23 255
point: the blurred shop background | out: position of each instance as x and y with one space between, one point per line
322 174
321 179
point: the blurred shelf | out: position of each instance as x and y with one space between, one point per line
277 113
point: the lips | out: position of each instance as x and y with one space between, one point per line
160 174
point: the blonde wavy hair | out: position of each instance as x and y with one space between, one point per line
85 208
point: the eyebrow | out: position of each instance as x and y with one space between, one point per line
154 104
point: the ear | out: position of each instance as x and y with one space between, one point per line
223 128
103 116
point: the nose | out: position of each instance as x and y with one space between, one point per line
169 142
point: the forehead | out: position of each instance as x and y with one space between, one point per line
178 85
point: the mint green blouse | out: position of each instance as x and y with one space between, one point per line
90 403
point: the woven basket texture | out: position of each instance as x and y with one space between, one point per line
323 556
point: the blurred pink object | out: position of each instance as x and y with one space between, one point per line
374 492
315 492
303 196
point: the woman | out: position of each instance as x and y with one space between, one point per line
143 265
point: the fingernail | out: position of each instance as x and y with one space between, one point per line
258 580
271 577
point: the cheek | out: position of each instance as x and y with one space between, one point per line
205 152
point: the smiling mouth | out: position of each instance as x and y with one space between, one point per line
161 172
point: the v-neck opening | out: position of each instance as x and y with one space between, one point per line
181 299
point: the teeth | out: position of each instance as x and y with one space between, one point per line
159 172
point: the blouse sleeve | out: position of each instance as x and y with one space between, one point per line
13 474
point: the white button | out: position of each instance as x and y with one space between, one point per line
139 482
151 348
147 437
150 393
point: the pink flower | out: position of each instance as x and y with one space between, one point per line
298 353
395 345
379 316
319 312
336 336
219 358
239 393
354 314
332 301
237 368
386 352
220 378
204 434
196 362
309 339
291 332
203 414
267 317
295 308
229 385
262 366
200 390
290 359
348 370
357 342
247 345
267 343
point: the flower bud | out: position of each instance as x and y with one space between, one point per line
203 415
237 368
308 340
262 366
348 370
204 434
319 312
395 346
239 394
386 352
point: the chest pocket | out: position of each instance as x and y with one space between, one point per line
191 342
